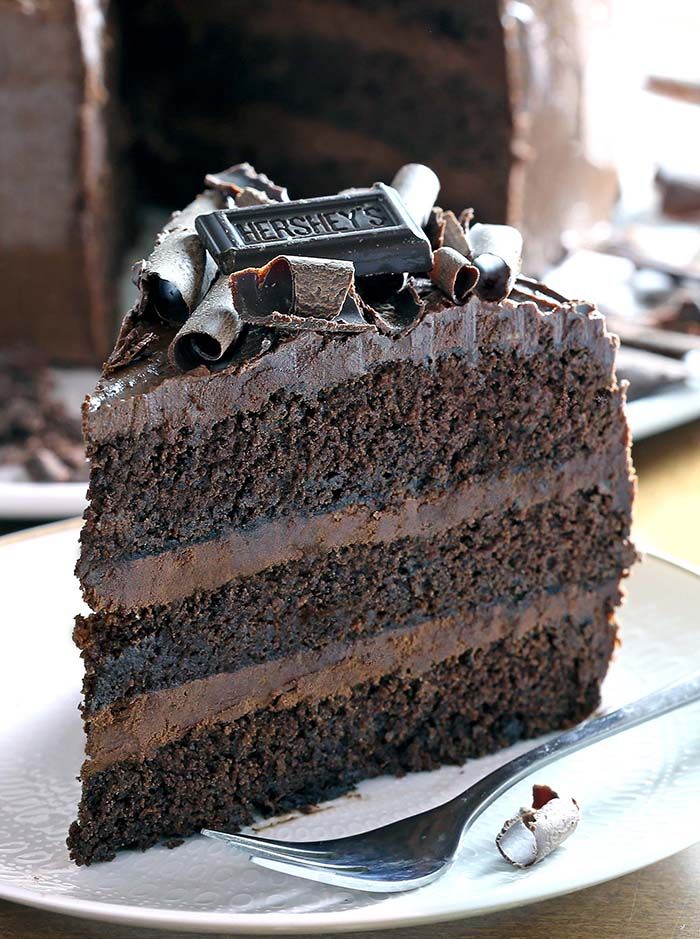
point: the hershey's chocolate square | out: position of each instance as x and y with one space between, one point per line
370 227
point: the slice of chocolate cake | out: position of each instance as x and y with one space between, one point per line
342 521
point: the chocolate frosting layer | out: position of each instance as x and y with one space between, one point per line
151 394
136 730
172 575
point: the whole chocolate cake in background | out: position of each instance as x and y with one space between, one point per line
328 94
59 234
359 504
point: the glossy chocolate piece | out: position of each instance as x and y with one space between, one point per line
213 327
454 274
370 227
418 187
299 293
496 252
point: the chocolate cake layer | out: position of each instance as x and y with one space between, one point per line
173 575
222 774
151 394
357 591
135 729
430 429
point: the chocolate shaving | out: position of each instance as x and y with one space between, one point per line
536 287
435 227
43 465
299 293
444 229
535 832
242 176
133 343
454 274
496 251
466 217
456 236
178 270
380 288
209 332
250 196
402 314
418 187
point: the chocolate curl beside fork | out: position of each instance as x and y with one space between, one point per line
454 274
211 330
299 293
496 251
535 832
178 271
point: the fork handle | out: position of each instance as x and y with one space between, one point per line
479 796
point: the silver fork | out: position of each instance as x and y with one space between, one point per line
414 851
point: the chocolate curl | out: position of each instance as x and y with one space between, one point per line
496 251
403 313
435 227
454 274
209 332
533 833
445 230
455 235
299 293
418 186
527 288
242 176
178 270
379 288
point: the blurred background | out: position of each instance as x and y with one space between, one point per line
576 120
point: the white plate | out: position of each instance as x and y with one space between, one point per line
663 411
42 500
20 498
639 792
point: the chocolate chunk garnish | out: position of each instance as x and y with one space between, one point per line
418 187
209 332
496 251
242 176
454 274
299 293
178 269
370 227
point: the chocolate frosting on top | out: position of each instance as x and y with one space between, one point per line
308 350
